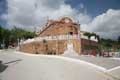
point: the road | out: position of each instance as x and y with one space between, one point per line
23 66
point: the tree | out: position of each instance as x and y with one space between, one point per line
18 33
96 36
119 39
4 36
11 37
1 34
89 35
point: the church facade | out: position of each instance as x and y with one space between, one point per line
55 37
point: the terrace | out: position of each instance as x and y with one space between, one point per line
59 37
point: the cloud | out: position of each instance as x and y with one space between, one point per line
30 13
106 24
34 13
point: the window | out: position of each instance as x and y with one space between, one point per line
71 33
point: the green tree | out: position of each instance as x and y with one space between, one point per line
11 37
88 35
4 36
1 35
118 38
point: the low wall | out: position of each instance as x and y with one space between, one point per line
88 45
50 47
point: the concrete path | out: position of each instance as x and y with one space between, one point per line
110 66
103 62
45 67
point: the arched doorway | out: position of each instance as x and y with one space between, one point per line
69 46
70 52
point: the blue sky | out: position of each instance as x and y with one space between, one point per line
95 7
3 8
100 16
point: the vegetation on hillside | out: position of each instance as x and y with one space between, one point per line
13 36
105 44
10 37
108 44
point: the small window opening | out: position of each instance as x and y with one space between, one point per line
71 33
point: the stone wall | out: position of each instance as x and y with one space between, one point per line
88 45
50 47
55 28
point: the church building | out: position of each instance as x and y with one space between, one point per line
56 37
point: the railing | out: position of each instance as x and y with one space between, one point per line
92 38
48 38
59 37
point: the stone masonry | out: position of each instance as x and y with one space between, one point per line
54 37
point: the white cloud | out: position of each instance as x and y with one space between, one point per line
106 24
34 13
31 13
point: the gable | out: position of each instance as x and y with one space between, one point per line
60 28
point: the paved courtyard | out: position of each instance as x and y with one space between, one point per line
23 66
107 63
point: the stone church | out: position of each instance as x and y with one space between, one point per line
56 37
